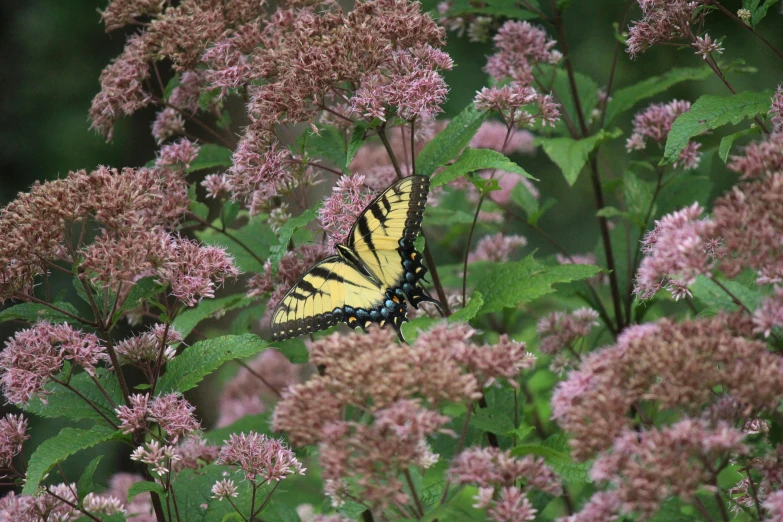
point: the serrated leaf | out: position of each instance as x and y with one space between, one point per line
410 329
34 312
507 285
58 448
450 141
286 232
477 159
571 155
758 10
355 142
727 141
61 402
470 311
85 485
211 156
709 113
627 97
555 452
638 197
328 144
187 369
708 292
144 486
260 423
188 319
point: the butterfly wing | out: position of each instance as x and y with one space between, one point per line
330 292
383 235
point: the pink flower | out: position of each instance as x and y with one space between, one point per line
181 153
168 122
339 211
664 21
32 356
705 45
776 110
520 46
175 415
223 489
120 13
134 417
512 506
497 248
492 135
676 252
160 457
13 433
654 123
255 176
511 102
558 330
261 458
773 504
217 185
122 86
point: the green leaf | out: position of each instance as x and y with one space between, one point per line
610 212
34 312
260 423
709 113
60 447
211 156
570 154
711 294
758 10
85 486
293 349
355 142
727 141
681 192
507 285
626 98
255 235
187 369
145 486
197 207
470 311
457 508
61 402
477 159
537 215
188 319
450 141
286 232
230 212
143 289
172 84
328 144
555 452
410 329
442 216
638 197
194 497
525 199
505 8
492 421
585 86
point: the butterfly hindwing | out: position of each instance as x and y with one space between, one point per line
333 291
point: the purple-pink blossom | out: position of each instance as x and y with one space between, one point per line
261 458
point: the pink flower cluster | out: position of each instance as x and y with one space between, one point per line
664 21
340 209
262 459
558 331
497 474
497 247
172 412
520 46
654 123
676 365
34 355
13 433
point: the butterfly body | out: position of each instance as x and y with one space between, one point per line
372 276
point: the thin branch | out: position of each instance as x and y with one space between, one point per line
102 390
610 82
413 145
435 277
161 350
72 505
558 23
228 235
460 443
115 361
702 510
414 494
266 501
749 28
491 437
389 151
258 376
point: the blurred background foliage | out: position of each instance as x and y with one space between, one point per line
52 53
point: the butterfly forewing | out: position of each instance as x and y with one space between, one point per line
391 221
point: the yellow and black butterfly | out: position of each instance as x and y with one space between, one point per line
373 275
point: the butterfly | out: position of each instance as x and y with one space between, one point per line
372 276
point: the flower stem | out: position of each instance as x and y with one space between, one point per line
228 235
389 151
85 399
414 494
